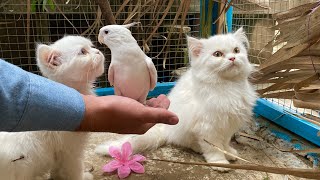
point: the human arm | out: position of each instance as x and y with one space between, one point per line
30 102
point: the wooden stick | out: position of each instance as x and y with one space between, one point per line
106 11
304 173
227 153
221 19
28 32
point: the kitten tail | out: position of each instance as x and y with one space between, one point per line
151 140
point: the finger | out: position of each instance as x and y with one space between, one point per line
162 96
154 103
160 102
164 102
151 102
159 115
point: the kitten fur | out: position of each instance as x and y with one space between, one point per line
74 62
213 100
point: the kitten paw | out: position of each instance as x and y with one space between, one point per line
103 149
87 176
220 169
230 158
232 151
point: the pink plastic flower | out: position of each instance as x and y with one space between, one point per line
124 162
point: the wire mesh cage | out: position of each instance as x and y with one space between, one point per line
257 17
24 24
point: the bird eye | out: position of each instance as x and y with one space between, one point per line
236 50
217 54
84 51
106 31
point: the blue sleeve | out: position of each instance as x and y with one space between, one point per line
29 102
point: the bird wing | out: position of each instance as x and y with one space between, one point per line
152 72
110 74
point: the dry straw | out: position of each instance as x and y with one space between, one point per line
292 71
298 172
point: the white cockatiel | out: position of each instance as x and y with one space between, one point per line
131 72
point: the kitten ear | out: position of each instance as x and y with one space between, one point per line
241 35
48 56
130 25
195 46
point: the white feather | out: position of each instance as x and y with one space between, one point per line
131 72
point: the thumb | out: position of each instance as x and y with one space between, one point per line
159 115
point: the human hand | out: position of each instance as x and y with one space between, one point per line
160 102
123 115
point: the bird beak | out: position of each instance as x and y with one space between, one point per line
100 39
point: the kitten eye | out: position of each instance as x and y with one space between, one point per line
84 51
236 50
17 159
106 31
217 54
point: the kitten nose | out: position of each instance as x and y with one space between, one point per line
232 59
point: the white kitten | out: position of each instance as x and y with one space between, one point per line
73 61
213 99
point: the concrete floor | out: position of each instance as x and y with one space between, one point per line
252 150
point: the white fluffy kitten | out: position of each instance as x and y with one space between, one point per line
72 61
213 99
